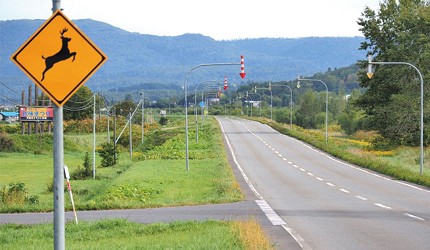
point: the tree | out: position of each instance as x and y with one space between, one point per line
397 32
80 105
124 108
308 110
107 153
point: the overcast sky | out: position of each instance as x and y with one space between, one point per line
219 19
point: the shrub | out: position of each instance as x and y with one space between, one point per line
6 143
107 153
163 121
85 172
15 194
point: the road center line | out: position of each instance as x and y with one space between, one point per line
344 190
382 206
361 197
414 217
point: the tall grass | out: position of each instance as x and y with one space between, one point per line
121 234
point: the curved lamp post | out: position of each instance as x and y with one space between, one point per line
196 107
271 98
260 100
370 75
326 101
291 103
186 102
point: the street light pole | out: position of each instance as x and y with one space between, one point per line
196 107
260 101
326 102
291 103
370 75
271 100
186 102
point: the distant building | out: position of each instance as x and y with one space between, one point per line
9 116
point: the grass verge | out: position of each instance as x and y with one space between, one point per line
122 234
154 177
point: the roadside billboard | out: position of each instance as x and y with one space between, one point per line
28 114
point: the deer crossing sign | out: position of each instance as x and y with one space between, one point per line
59 58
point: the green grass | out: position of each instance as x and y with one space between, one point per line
153 178
121 234
401 163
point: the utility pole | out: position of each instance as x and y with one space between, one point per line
94 136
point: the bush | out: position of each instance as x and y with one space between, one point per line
6 143
85 172
163 121
15 194
107 153
10 128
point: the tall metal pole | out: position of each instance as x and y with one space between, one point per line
59 231
143 115
271 101
370 74
326 102
187 165
114 135
195 103
94 136
130 136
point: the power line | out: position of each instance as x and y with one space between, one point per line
10 88
13 102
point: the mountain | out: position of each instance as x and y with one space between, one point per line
137 59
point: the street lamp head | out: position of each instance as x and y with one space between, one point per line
369 67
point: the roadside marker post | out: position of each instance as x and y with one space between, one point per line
67 176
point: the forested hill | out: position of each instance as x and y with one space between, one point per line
137 59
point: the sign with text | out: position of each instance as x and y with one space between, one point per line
28 114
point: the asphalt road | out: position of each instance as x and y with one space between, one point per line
303 198
323 202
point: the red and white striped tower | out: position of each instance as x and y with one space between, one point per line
242 67
225 83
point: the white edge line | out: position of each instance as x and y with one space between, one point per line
287 228
238 165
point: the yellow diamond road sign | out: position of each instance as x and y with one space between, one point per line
59 58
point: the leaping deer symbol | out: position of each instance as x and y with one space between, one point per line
61 55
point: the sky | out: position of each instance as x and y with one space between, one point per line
219 19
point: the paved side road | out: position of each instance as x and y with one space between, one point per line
232 211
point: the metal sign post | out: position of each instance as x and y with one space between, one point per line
60 74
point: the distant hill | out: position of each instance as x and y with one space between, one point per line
136 59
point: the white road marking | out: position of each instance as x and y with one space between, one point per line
330 184
291 231
382 206
344 190
414 217
320 179
270 213
361 197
